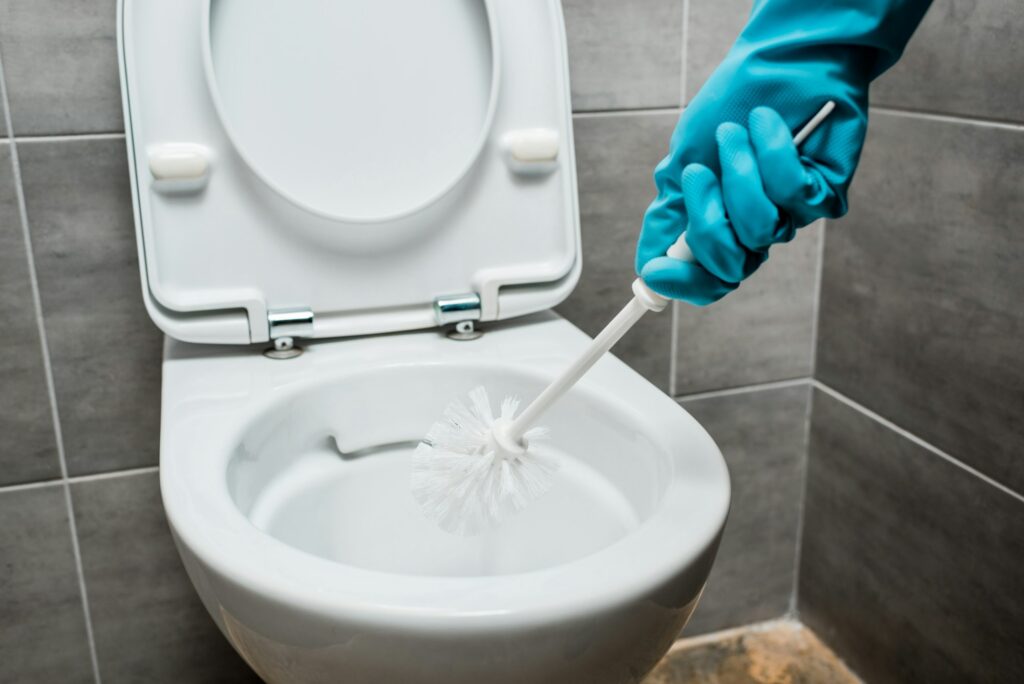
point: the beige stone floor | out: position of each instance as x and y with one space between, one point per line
771 653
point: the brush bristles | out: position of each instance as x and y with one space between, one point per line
462 482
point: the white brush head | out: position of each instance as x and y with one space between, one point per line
467 475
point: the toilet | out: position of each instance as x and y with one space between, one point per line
350 213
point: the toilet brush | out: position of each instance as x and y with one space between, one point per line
474 468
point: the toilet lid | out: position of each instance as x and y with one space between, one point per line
324 168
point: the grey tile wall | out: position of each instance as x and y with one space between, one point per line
624 55
964 59
60 66
60 60
148 622
42 624
763 436
921 316
762 332
615 158
104 349
910 564
712 27
28 451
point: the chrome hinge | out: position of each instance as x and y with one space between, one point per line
460 309
287 324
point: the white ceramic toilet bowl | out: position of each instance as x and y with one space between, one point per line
341 172
286 487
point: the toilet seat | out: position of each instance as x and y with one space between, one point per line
454 98
212 401
250 206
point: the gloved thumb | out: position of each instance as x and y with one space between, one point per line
685 280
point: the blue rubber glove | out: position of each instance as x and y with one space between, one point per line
733 172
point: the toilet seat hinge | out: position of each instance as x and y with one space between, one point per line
462 310
284 326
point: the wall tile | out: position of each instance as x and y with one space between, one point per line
624 55
763 436
104 349
615 159
763 331
910 565
713 26
28 451
921 316
149 624
42 626
60 58
964 59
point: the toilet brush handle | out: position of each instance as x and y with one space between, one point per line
634 310
644 300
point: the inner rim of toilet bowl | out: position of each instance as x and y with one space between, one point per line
329 475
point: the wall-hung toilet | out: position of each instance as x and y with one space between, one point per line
352 177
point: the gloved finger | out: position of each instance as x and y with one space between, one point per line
709 235
664 220
685 280
752 214
796 188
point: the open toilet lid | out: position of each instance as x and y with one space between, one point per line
327 168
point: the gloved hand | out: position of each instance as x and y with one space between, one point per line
732 171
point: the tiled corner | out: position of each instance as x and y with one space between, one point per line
42 625
763 436
104 349
624 55
60 59
762 332
921 316
910 565
964 59
149 624
615 159
28 450
712 27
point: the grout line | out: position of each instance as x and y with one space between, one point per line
948 118
110 475
745 389
686 642
686 53
48 373
650 111
891 111
673 349
819 278
673 359
906 434
64 137
74 479
673 345
794 595
22 486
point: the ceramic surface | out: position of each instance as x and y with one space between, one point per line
285 485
